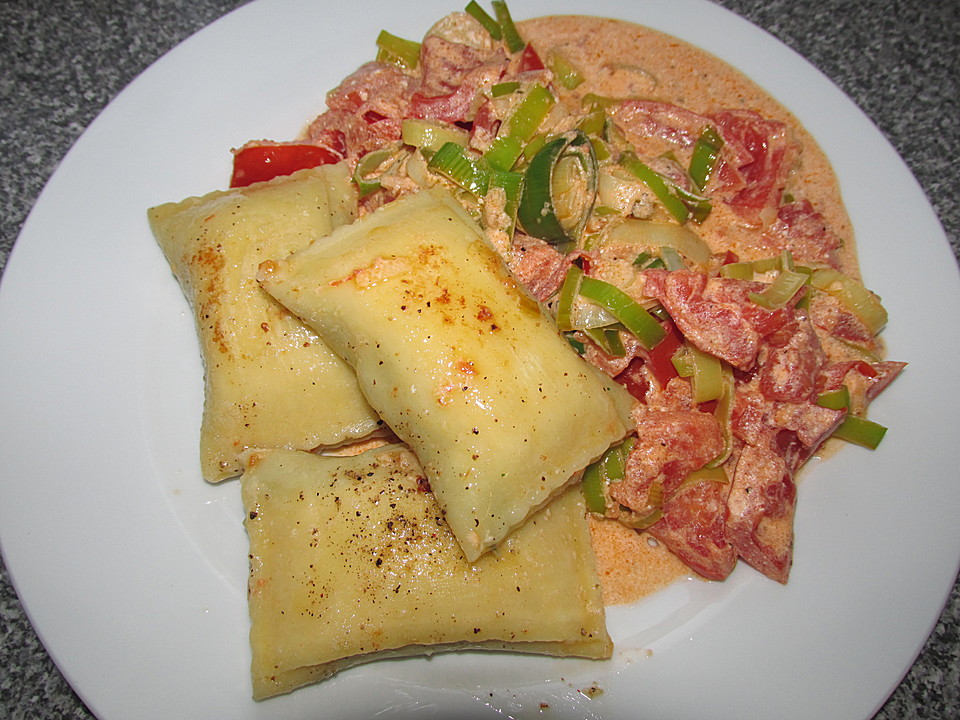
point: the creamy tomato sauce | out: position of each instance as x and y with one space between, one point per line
621 59
767 203
631 565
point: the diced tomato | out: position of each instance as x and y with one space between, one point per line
485 125
445 64
650 118
792 362
717 325
760 509
670 445
866 369
256 163
461 104
709 407
372 116
530 60
767 154
454 107
660 361
693 526
803 231
633 379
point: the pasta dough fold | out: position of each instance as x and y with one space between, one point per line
351 561
456 358
269 380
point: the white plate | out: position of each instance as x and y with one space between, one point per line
132 568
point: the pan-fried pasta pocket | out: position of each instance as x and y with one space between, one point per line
351 561
269 380
456 358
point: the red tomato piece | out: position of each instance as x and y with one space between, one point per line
633 379
530 60
257 163
660 359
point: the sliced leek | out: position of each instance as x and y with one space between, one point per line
838 399
724 416
607 339
510 35
504 88
504 152
660 186
530 113
853 429
568 294
852 295
397 50
454 162
431 134
564 72
481 16
610 468
737 271
860 431
707 377
706 155
592 487
627 310
704 370
641 521
593 122
511 183
704 474
646 261
559 189
652 234
372 167
781 291
594 101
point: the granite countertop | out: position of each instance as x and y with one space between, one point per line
63 62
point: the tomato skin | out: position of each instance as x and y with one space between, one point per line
256 163
866 369
530 60
660 359
633 379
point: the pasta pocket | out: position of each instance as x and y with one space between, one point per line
269 380
456 358
351 561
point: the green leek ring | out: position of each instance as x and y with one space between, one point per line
537 214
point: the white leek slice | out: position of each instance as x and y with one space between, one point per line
651 234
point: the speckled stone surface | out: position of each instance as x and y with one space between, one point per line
61 63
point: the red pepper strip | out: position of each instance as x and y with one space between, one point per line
257 163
